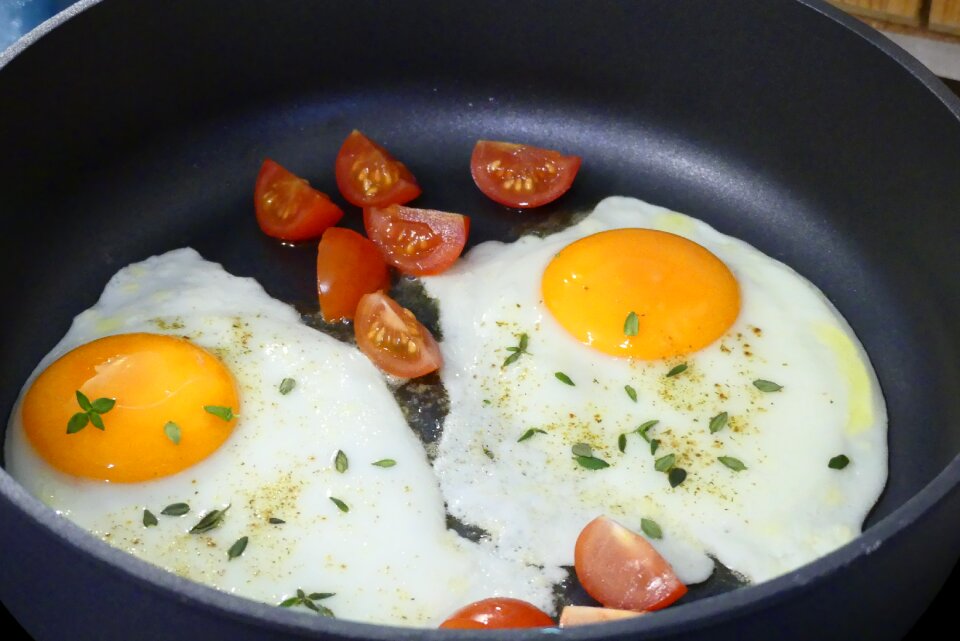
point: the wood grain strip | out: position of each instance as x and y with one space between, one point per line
945 16
901 11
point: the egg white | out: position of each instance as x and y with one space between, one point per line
786 509
389 559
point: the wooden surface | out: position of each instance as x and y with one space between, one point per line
901 11
945 16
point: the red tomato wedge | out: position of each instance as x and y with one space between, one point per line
348 266
499 612
520 175
573 615
368 176
393 338
287 206
417 241
621 570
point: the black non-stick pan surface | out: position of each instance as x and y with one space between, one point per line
136 127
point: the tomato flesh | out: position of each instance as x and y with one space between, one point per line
621 570
392 337
499 612
418 242
287 206
573 615
520 175
368 176
348 267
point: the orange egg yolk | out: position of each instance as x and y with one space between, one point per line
155 380
684 297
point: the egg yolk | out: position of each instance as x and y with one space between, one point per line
154 380
683 296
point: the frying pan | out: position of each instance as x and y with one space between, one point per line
130 128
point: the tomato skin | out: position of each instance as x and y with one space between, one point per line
393 339
418 242
287 206
521 176
621 570
499 612
461 624
368 176
348 267
573 615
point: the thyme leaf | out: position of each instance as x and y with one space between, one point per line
678 369
529 434
718 422
175 509
341 462
631 326
210 521
172 430
237 548
734 464
665 463
838 462
220 411
767 386
651 528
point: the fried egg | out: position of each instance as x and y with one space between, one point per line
194 422
644 366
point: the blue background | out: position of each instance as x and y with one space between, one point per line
20 16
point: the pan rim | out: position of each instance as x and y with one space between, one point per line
699 614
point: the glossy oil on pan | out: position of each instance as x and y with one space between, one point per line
131 128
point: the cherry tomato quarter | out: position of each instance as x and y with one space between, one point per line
368 176
348 266
499 612
288 208
418 242
521 176
621 570
392 337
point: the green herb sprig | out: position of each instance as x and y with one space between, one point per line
734 464
175 509
583 454
767 386
651 528
210 521
677 369
92 413
172 432
237 548
718 422
516 351
309 601
839 462
340 462
631 326
529 434
225 413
